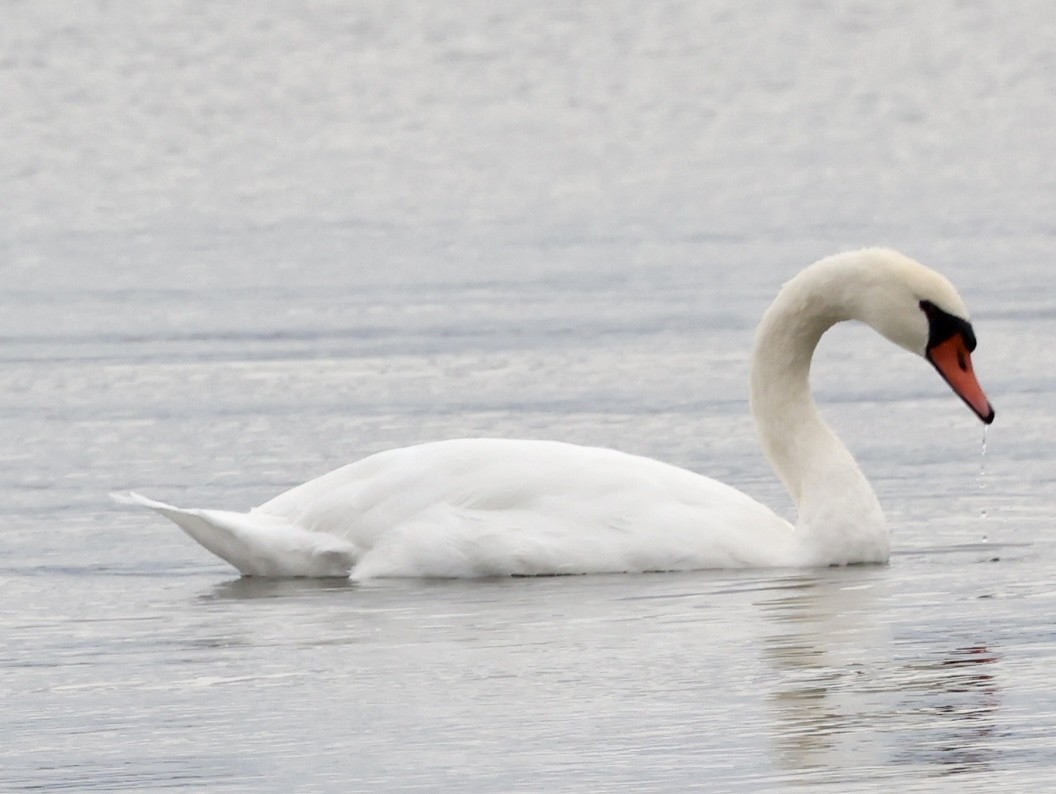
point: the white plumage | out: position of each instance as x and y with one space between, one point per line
487 507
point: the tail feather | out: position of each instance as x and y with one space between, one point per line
257 545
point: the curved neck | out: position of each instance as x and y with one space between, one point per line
838 516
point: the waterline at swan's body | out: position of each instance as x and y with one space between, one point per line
482 507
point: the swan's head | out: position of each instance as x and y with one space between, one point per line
919 310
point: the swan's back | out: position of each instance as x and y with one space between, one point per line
479 507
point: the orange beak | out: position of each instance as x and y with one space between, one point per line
953 361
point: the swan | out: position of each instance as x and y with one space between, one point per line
494 507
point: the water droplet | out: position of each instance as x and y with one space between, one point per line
982 481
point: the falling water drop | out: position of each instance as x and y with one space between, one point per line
982 482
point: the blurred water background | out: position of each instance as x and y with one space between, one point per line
244 243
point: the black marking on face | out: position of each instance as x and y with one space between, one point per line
943 325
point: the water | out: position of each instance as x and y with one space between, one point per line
243 245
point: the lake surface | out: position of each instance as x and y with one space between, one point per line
242 245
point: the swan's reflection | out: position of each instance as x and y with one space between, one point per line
249 587
850 694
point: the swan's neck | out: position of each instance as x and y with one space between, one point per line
838 516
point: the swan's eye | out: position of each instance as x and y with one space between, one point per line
942 326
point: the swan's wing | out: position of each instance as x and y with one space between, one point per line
258 545
496 507
457 542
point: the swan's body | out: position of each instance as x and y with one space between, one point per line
480 507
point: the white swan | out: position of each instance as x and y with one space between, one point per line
485 507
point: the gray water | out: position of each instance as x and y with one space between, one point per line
243 244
